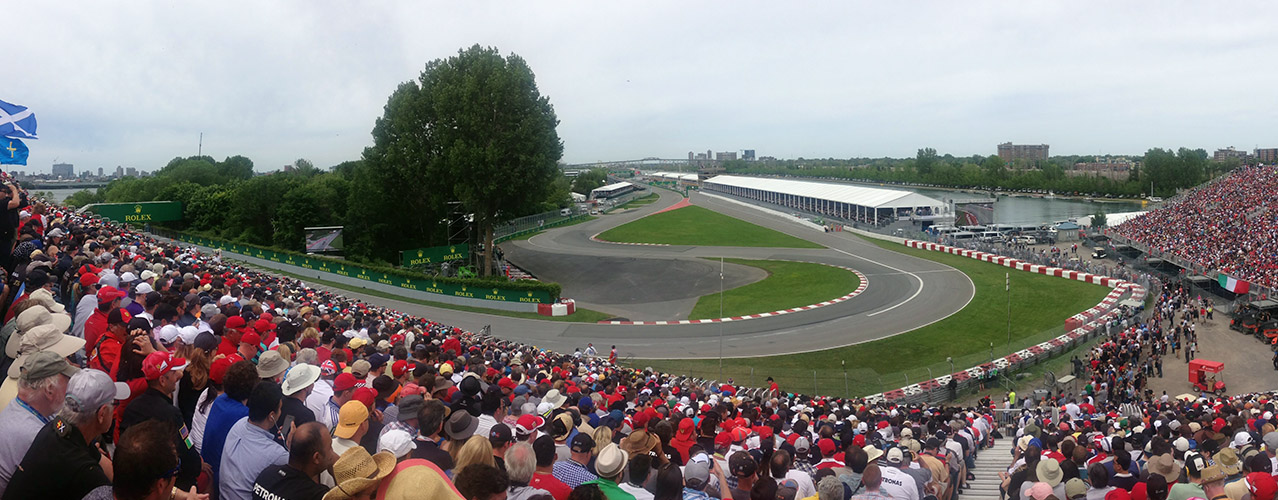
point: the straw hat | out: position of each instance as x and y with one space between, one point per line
417 478
356 471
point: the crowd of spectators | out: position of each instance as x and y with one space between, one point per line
1229 225
139 369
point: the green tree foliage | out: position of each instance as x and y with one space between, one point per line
1099 220
925 161
475 129
589 180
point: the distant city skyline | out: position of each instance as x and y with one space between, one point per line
309 80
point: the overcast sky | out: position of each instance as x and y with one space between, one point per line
135 83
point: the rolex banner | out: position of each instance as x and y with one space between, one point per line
435 255
139 213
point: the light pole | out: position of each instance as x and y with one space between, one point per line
951 360
1008 287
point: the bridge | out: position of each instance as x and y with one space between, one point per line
43 185
645 162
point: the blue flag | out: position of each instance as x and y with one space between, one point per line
13 152
17 122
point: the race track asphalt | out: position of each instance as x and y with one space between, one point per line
904 292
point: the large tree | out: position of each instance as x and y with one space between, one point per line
475 129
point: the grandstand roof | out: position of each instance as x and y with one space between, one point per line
611 187
865 196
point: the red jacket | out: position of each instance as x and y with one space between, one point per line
94 327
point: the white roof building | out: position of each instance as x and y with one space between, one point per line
849 201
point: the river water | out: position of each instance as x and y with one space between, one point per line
60 194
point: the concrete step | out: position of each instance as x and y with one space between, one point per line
983 481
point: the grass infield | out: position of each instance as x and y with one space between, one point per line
1040 305
803 284
698 226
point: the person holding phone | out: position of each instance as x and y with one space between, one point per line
14 200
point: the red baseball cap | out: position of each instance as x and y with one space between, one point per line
251 338
159 363
528 423
108 293
263 325
723 440
88 279
343 382
506 383
235 322
365 395
826 445
398 368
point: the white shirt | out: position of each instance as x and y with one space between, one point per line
806 488
198 420
898 485
638 492
317 402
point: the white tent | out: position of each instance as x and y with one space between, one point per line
848 201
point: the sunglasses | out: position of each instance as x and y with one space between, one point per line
174 471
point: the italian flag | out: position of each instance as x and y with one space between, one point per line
1233 285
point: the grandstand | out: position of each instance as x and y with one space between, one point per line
1226 226
611 191
864 204
680 178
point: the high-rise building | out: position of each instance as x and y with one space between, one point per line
101 172
725 156
1267 155
131 172
690 156
119 171
747 155
1028 152
1229 152
63 170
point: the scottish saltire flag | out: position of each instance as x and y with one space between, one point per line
1233 285
13 152
17 122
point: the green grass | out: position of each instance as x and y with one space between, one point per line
587 218
804 284
580 316
698 226
1040 305
638 202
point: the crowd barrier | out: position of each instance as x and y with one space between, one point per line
1079 328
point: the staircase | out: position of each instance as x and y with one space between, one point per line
989 463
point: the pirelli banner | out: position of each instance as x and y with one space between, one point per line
139 213
423 284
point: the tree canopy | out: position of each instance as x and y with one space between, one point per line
472 129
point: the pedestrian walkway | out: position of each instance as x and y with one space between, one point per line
989 463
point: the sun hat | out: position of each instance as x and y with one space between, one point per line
356 471
361 368
349 418
1228 461
32 318
1163 465
1075 488
300 377
44 338
416 478
45 364
45 298
1212 474
460 426
554 398
611 461
1049 471
271 364
873 453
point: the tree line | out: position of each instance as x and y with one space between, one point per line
1169 170
471 134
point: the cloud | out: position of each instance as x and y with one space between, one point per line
135 83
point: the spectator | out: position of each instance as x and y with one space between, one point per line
351 427
62 461
229 408
310 454
431 419
521 464
42 387
145 466
871 481
611 465
475 450
482 482
296 388
782 467
359 474
501 439
162 372
543 477
574 471
251 445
